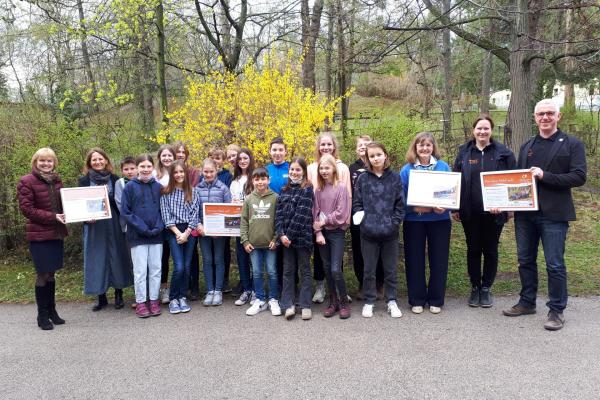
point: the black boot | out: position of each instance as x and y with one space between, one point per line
51 291
474 297
41 299
194 290
102 302
119 299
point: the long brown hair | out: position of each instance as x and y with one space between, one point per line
88 160
305 182
160 168
237 171
187 187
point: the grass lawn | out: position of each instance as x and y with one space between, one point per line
17 274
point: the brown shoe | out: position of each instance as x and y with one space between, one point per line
332 308
344 310
518 310
555 321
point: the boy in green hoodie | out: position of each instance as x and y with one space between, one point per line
257 234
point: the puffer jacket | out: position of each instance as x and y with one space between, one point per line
39 202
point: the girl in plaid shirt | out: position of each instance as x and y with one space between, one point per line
179 206
293 225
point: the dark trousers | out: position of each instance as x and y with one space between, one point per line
530 227
195 271
372 251
296 259
226 260
318 272
357 259
483 234
332 254
436 235
166 254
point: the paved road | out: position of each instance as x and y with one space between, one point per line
219 353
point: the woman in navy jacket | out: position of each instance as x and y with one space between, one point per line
482 228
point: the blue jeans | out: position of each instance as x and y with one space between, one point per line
243 260
182 260
214 281
269 258
530 227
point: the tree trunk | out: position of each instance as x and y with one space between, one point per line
486 82
569 106
447 70
329 50
341 65
86 55
160 62
311 25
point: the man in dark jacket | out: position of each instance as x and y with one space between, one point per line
557 162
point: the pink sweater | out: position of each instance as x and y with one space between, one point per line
335 203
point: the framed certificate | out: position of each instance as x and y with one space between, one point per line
222 219
434 189
85 203
509 190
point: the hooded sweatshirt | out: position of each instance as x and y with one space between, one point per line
141 209
257 226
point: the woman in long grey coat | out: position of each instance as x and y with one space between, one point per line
106 260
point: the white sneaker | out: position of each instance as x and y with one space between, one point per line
244 298
252 298
367 311
290 312
417 309
217 298
393 309
164 298
306 314
435 310
257 307
274 306
208 300
319 296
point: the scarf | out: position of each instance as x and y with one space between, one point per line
48 177
99 177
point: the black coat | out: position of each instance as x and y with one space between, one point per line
564 167
498 157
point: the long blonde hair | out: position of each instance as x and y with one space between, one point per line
318 143
327 158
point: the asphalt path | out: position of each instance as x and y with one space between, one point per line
220 353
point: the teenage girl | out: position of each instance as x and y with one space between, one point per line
241 186
165 157
212 190
141 210
425 228
378 206
331 214
326 144
293 227
179 208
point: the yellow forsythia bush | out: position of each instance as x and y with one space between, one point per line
249 109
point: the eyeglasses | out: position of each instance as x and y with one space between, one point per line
543 113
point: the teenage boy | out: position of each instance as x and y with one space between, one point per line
278 175
356 169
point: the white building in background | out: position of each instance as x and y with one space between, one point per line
583 99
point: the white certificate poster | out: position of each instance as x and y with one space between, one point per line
85 203
513 190
434 189
221 219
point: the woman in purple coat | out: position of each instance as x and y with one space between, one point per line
39 201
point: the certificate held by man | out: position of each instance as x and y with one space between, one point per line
434 189
513 190
85 203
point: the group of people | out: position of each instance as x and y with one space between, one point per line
292 211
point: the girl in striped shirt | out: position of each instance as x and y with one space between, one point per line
179 206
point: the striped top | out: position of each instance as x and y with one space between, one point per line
175 210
